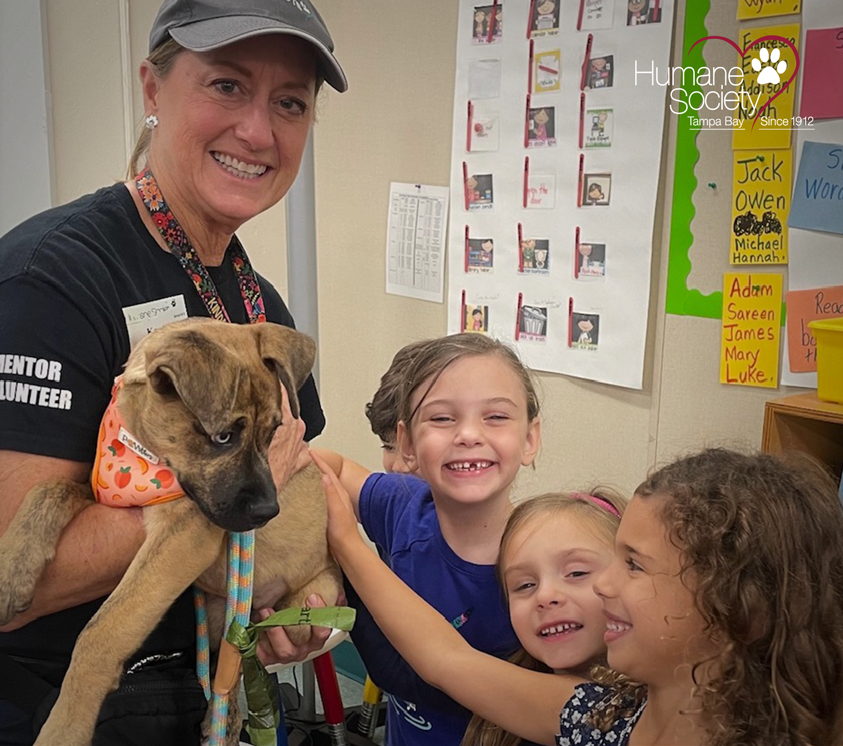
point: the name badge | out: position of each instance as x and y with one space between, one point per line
146 317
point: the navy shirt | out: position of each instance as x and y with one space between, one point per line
398 514
65 277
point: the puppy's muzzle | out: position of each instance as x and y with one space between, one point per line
240 506
260 510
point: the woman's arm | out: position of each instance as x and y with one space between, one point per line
351 475
94 550
523 702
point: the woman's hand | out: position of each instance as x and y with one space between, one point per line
288 452
274 645
342 523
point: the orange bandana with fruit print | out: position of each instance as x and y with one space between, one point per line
125 474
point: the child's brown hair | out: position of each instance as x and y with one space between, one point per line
382 411
437 354
761 540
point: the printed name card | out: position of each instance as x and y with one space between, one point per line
766 8
804 306
767 68
818 193
760 206
749 350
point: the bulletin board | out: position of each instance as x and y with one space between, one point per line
556 157
813 262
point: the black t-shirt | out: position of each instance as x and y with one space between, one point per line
65 277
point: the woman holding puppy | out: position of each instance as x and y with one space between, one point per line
229 91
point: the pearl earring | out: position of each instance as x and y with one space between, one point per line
151 122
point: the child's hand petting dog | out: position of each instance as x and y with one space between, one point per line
288 452
342 523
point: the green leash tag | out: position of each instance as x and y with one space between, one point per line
264 716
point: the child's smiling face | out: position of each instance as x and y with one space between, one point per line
654 628
549 569
471 435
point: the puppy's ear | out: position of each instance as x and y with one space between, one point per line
289 353
202 373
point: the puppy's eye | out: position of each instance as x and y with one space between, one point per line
224 438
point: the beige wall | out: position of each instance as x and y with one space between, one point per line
394 125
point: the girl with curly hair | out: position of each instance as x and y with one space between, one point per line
726 604
723 608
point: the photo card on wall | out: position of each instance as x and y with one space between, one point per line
585 331
541 127
545 19
481 252
480 193
597 128
488 24
476 319
548 71
596 189
642 12
532 323
591 260
601 72
535 256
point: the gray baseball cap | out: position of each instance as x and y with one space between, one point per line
203 25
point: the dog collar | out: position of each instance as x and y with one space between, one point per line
125 473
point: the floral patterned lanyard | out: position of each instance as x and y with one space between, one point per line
181 248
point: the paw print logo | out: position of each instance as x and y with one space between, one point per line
772 72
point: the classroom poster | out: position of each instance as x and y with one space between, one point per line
767 87
818 194
822 62
749 350
815 257
760 205
578 145
415 238
749 9
804 306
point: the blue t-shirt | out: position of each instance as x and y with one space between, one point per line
398 514
574 729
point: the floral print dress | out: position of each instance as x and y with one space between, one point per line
574 730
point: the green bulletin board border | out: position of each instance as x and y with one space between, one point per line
682 300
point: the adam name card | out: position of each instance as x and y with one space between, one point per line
749 349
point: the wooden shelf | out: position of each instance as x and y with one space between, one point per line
805 423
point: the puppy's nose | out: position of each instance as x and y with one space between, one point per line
261 511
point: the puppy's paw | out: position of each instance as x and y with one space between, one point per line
16 589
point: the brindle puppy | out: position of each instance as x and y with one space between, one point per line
204 397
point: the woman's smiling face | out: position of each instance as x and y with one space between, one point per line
233 126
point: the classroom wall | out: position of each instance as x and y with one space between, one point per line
394 125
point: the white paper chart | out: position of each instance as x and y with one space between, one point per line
415 244
556 154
